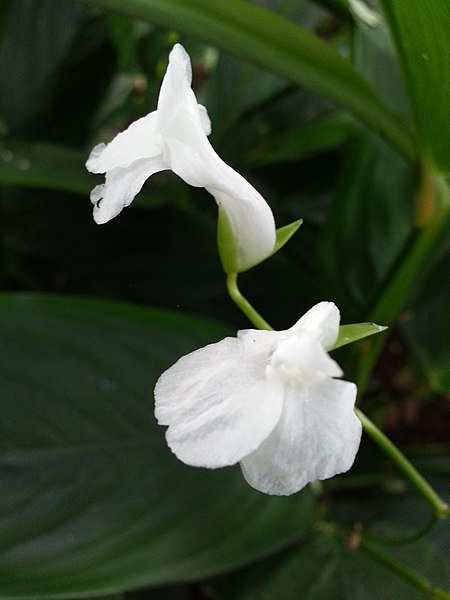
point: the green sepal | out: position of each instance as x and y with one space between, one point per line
226 243
357 331
284 234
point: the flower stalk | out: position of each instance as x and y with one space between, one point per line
414 578
441 509
252 315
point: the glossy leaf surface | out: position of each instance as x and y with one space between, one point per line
277 44
426 65
92 499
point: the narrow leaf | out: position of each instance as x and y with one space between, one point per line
277 44
421 29
357 331
322 134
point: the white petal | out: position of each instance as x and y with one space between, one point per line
249 215
321 321
251 221
184 125
176 86
174 137
121 186
256 344
140 140
204 118
218 406
317 436
176 94
304 353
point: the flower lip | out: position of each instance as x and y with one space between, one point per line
302 354
322 322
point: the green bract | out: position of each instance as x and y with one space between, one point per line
357 331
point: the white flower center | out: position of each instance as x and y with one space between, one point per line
288 374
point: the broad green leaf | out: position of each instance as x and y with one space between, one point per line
43 165
31 55
277 44
93 502
327 565
421 29
49 87
357 331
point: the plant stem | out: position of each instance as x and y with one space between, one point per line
244 304
405 572
441 509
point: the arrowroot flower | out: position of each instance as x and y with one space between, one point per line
174 137
266 399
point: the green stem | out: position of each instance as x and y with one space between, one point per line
441 509
244 304
405 572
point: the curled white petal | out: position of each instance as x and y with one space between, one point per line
317 436
140 140
120 188
302 355
218 407
175 89
322 322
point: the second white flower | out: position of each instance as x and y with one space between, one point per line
268 400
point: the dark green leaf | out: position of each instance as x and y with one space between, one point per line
28 70
92 499
328 566
421 30
369 225
55 167
375 57
277 44
47 166
428 328
49 87
322 134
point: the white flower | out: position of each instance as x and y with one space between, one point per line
268 400
174 137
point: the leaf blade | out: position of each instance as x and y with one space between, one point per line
421 30
92 500
268 39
